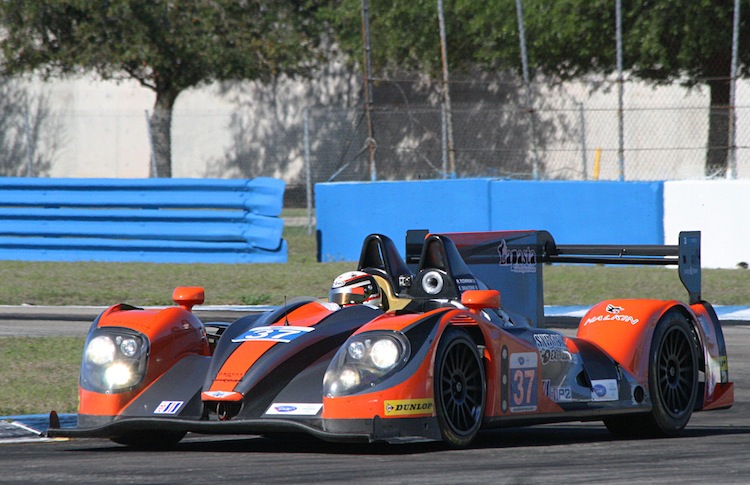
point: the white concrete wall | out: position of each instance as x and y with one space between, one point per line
664 129
100 127
720 209
101 130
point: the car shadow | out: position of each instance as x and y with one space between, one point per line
508 438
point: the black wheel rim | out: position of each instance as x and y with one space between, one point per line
461 389
676 372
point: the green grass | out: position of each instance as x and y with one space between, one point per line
587 285
40 374
91 283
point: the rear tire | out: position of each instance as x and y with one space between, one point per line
672 381
459 388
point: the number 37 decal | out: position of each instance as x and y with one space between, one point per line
523 382
283 334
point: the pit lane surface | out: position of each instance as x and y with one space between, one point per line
713 448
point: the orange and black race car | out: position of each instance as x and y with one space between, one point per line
440 357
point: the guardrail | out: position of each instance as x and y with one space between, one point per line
142 220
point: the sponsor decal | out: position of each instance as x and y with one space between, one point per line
519 260
612 316
404 280
604 390
560 393
614 309
711 379
691 270
225 376
546 341
557 393
168 407
345 278
408 407
218 394
717 372
294 408
284 334
523 382
467 284
552 348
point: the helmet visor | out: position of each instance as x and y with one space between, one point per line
347 295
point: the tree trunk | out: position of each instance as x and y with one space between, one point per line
161 133
717 154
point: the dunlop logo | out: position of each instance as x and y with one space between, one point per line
408 407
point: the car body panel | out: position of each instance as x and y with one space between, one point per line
309 366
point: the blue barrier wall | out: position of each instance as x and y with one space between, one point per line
143 220
580 212
573 212
347 212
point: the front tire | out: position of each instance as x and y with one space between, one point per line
672 381
459 388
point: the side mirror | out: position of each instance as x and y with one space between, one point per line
476 300
188 296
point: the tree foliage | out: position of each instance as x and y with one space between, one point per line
169 46
405 35
664 41
166 45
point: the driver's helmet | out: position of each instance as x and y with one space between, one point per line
355 288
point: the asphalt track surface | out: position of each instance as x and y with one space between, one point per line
713 448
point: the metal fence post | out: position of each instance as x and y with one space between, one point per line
368 88
620 88
732 172
584 161
308 171
447 116
527 83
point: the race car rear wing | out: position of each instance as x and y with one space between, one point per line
686 255
512 261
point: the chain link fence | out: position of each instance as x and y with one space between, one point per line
571 134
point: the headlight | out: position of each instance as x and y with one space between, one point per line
356 350
128 347
118 375
385 353
364 360
100 350
349 378
114 360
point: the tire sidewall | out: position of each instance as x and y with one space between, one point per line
452 337
664 420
